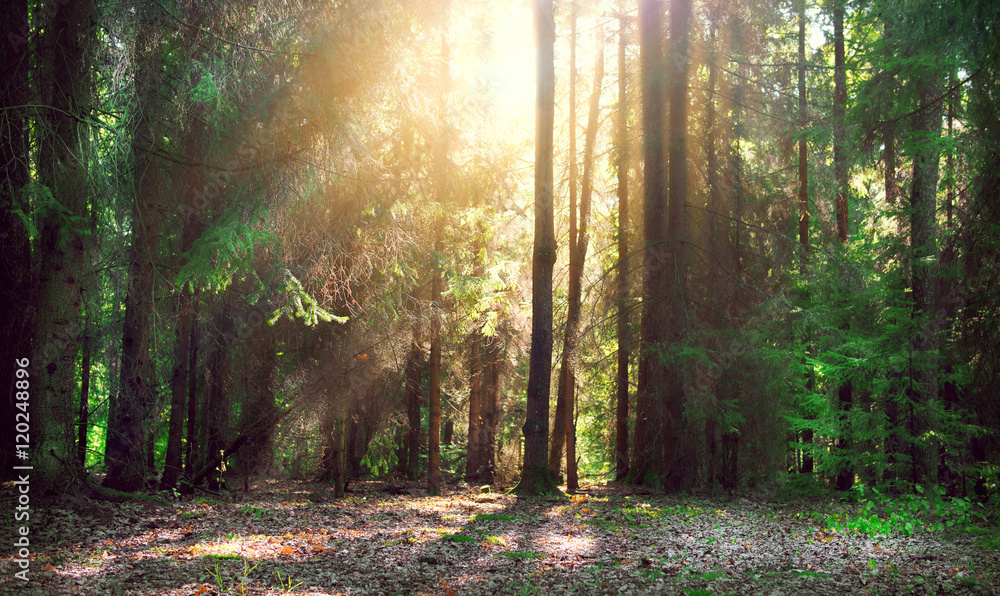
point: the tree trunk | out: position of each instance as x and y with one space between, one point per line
845 393
492 359
924 253
564 386
655 309
192 393
535 477
16 287
414 367
62 167
621 379
84 416
473 454
804 248
676 455
128 418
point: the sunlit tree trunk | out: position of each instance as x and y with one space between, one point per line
655 308
472 462
622 331
564 386
414 367
62 164
576 267
535 477
492 359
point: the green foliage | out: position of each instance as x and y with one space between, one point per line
906 515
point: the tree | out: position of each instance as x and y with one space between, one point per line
60 250
654 316
675 458
564 386
131 406
621 167
535 477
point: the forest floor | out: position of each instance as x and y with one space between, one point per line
295 538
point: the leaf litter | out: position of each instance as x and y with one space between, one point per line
289 537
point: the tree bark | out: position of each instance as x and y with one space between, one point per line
564 385
845 393
62 169
535 477
655 308
676 464
414 367
622 331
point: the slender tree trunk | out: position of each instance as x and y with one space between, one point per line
675 451
473 460
923 246
339 463
85 370
803 160
804 248
128 418
845 393
414 366
190 449
714 242
655 308
565 373
492 358
576 267
621 380
441 157
62 164
535 477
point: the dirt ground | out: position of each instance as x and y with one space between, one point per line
295 538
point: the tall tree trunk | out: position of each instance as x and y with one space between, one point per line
441 158
62 165
804 248
16 289
713 218
535 477
414 367
924 253
565 374
675 451
190 451
622 331
655 308
845 393
128 418
576 266
473 460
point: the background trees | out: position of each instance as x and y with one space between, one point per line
254 238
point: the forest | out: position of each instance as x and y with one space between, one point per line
595 296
